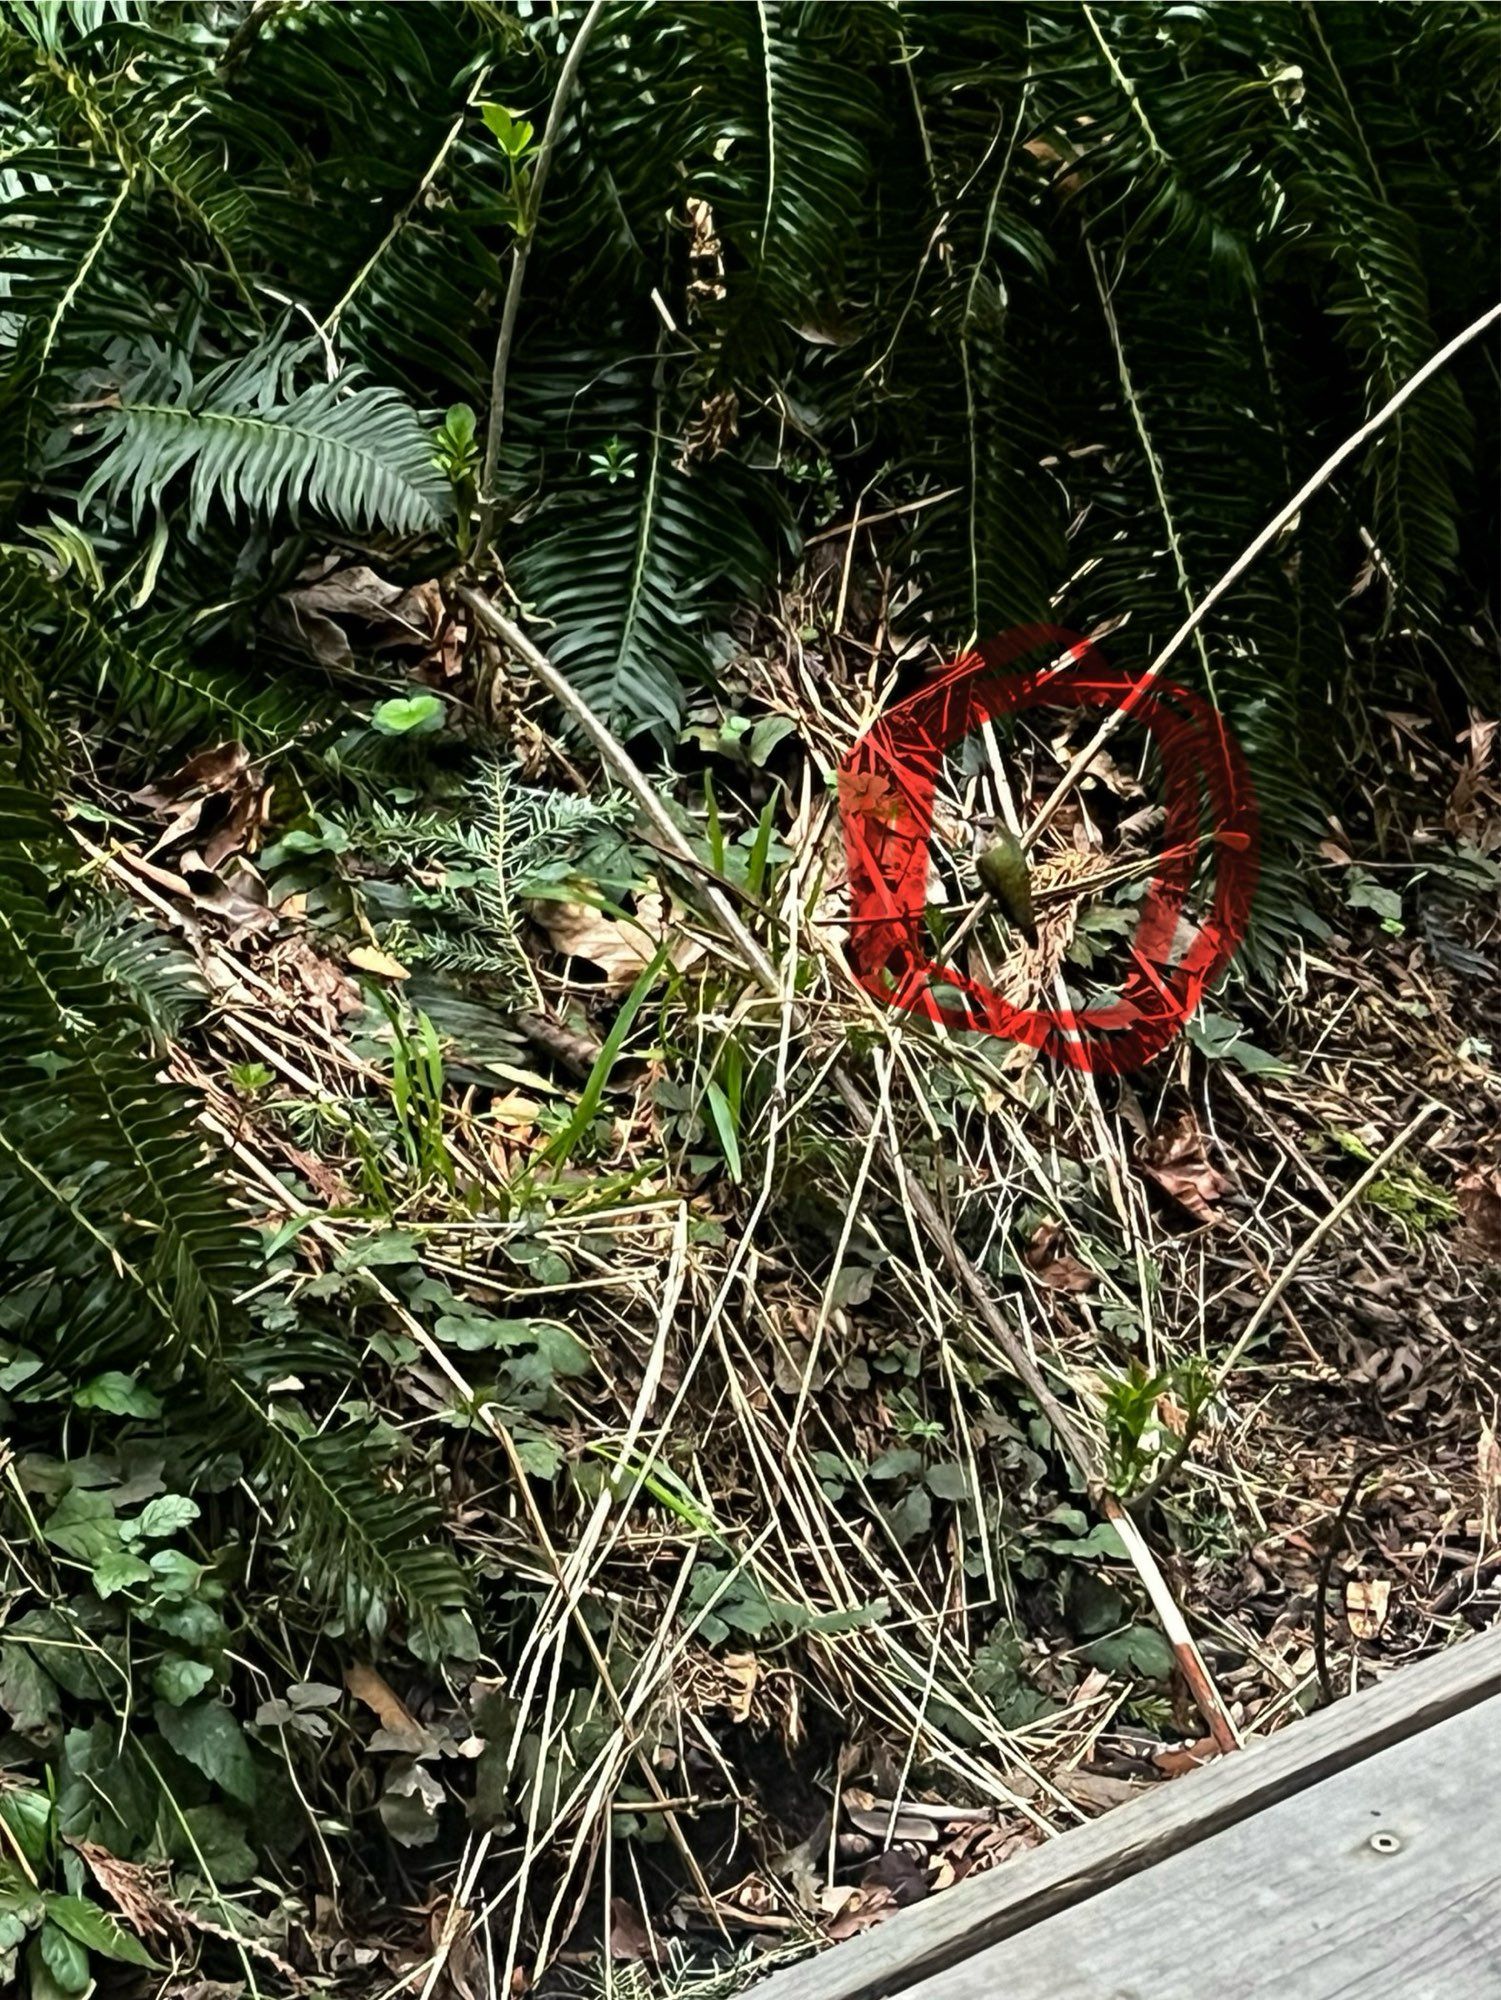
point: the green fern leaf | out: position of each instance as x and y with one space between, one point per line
359 458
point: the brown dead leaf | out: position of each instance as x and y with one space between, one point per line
619 946
396 1720
1366 1607
356 592
370 958
1057 1270
310 615
216 770
214 799
1479 1237
742 1671
325 1181
319 615
129 1886
317 981
629 1937
1175 1158
229 831
980 1847
1473 801
1171 1415
864 1909
238 896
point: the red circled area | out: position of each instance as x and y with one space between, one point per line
887 783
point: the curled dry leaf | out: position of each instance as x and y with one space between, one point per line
1471 813
316 981
396 1719
1174 1156
238 896
861 1910
1054 1268
629 1937
741 1671
215 799
130 1887
216 770
318 614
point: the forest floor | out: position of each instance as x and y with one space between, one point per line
794 1618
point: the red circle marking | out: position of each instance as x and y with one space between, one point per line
887 783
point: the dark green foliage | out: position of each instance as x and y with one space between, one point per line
1117 275
123 1255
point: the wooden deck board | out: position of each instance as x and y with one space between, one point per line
923 1942
1295 1903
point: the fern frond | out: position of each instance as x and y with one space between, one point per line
1377 294
792 160
144 670
102 1170
355 1540
122 1251
359 458
632 623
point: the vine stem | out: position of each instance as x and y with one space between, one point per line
521 250
1369 429
1072 1439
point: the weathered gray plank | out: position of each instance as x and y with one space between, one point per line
923 1941
1296 1903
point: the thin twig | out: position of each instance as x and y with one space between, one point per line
1272 1297
526 235
1317 1235
1045 814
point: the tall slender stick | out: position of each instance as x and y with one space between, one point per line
521 251
1243 562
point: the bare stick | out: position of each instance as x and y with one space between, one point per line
525 237
1190 1660
1243 562
1072 1440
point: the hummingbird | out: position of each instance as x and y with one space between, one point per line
1003 872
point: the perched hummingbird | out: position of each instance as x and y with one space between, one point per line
1002 869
